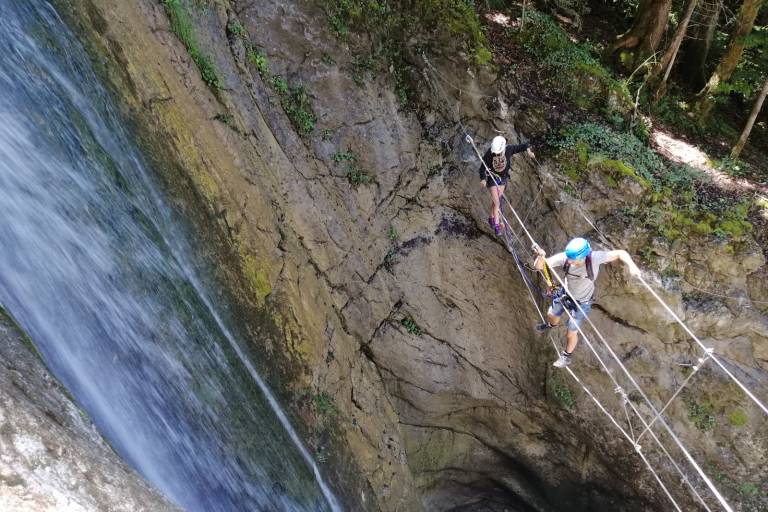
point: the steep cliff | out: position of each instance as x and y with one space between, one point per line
351 229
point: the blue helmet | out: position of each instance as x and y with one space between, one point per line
577 249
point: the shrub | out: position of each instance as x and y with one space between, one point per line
182 27
570 67
701 414
259 60
679 200
324 404
563 395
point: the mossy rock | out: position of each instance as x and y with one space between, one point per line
614 171
737 418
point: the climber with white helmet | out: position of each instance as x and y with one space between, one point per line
494 173
580 266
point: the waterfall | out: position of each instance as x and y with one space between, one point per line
96 269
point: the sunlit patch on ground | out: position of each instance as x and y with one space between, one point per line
682 152
500 19
679 151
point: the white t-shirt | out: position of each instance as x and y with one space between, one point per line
577 282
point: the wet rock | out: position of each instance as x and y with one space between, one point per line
51 457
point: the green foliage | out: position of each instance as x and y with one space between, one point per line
620 146
563 395
343 156
737 418
390 25
571 68
702 415
182 27
325 405
392 234
279 84
411 326
676 112
747 489
678 202
296 106
357 176
735 168
235 29
294 100
354 174
750 72
259 60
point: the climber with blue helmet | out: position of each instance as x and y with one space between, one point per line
494 174
580 266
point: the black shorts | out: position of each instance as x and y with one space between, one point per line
496 182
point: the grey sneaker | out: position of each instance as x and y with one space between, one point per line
562 361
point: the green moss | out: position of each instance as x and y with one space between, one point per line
678 204
255 275
483 56
737 418
563 395
703 228
434 453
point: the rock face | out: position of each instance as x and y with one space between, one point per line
51 457
400 316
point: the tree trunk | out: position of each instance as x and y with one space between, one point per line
729 61
668 60
644 36
696 49
751 121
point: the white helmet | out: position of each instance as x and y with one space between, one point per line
498 144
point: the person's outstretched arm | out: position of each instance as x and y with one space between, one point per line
621 254
519 148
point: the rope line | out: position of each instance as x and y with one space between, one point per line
618 387
658 416
696 368
707 350
671 433
629 437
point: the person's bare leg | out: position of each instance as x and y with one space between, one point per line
571 339
495 204
553 320
500 194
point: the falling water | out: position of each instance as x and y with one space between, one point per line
95 269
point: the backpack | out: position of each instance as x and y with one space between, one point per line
590 273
